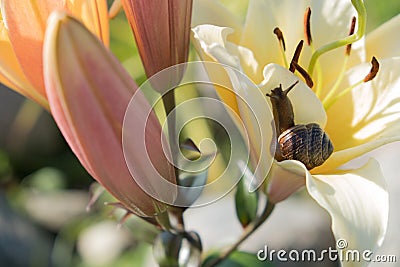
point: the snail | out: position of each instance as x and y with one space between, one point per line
307 143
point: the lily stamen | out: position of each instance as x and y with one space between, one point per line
303 73
308 38
370 76
307 26
282 45
374 70
296 55
351 32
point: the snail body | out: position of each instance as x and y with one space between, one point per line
307 143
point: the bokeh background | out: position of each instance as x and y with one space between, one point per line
44 191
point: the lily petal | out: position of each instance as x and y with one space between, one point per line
162 31
383 41
372 111
88 92
212 45
11 73
26 24
358 204
23 35
94 15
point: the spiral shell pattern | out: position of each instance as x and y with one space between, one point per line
306 143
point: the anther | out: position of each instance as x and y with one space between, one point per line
307 26
352 28
303 73
296 55
374 70
279 35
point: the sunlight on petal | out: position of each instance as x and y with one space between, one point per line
94 14
26 22
11 73
372 110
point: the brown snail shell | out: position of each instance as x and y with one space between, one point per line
306 143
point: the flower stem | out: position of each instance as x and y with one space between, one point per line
250 229
175 214
169 105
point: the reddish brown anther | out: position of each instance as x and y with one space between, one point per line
374 70
307 26
296 55
352 28
303 73
279 35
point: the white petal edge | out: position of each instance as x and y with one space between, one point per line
213 38
358 203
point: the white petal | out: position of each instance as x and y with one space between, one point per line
371 111
384 41
213 41
306 106
358 204
262 17
258 120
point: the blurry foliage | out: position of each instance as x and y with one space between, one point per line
380 11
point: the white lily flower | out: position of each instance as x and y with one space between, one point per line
358 113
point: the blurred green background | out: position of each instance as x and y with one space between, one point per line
44 189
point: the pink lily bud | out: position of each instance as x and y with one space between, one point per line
162 32
88 92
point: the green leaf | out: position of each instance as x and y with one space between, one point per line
238 259
246 203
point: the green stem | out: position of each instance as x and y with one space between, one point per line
169 104
174 214
362 21
250 229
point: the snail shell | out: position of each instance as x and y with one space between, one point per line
306 143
